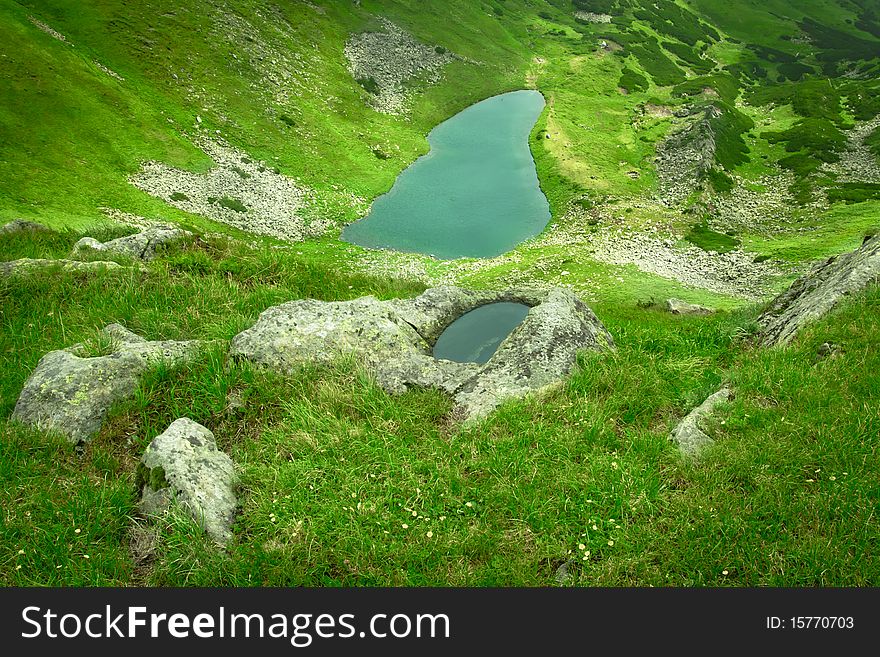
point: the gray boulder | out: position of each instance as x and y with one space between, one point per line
815 294
393 340
71 393
23 226
399 374
688 434
537 354
84 244
141 246
309 331
183 465
679 307
31 265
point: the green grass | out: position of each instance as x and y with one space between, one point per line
709 240
343 484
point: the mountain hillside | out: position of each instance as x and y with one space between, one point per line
702 151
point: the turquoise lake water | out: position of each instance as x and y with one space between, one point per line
475 194
476 335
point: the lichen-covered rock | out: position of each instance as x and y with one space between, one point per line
84 244
309 331
23 226
31 265
418 371
688 434
813 295
70 393
679 307
393 340
140 246
538 353
436 308
183 464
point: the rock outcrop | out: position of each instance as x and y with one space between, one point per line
815 294
183 465
685 156
537 354
679 307
23 226
140 246
71 394
30 265
688 434
394 339
310 331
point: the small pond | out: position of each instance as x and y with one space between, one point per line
475 336
475 194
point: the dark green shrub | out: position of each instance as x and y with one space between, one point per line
632 81
369 84
709 240
721 182
232 204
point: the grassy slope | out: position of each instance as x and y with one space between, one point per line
342 483
79 124
336 462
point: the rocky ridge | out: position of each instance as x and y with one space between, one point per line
684 157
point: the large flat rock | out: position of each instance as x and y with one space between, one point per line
309 331
394 339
